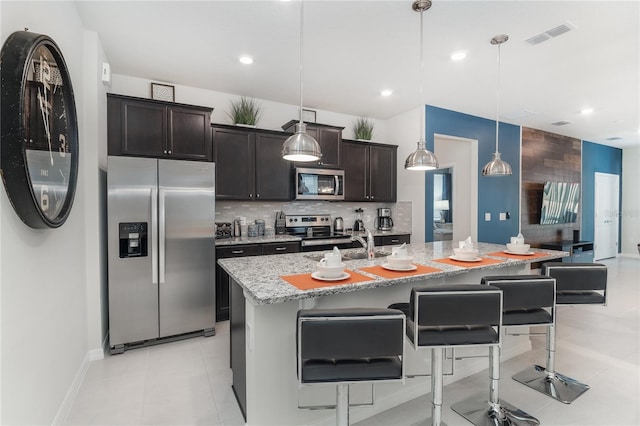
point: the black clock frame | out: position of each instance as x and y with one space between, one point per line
16 55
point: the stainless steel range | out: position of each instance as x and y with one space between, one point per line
316 233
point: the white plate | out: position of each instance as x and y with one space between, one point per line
317 276
529 253
459 259
399 268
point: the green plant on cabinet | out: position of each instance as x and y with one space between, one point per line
245 111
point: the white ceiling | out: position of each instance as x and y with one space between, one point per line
353 49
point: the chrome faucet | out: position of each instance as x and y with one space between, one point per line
368 245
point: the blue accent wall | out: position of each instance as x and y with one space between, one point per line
603 159
495 194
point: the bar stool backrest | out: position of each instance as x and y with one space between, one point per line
347 335
578 283
527 299
454 315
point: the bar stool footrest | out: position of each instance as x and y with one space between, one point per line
476 410
557 386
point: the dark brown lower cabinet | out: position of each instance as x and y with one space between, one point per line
223 279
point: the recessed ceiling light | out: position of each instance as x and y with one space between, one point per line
458 56
386 92
586 111
246 60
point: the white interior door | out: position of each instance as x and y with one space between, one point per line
606 215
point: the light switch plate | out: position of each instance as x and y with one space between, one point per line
503 216
487 217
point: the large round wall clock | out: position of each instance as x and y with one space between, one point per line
39 130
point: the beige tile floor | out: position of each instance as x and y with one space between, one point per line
188 382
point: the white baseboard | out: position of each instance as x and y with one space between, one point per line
69 398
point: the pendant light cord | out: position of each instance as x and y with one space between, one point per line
422 108
498 98
301 43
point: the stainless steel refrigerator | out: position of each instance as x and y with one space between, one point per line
161 249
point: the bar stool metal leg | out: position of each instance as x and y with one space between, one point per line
547 380
437 355
342 404
493 412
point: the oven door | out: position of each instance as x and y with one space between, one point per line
319 184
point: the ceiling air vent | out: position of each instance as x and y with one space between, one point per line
553 32
614 138
561 123
538 38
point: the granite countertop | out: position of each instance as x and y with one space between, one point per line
287 238
259 276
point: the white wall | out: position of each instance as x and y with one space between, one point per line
630 201
405 129
273 116
46 276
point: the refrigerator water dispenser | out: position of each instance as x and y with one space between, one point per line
133 239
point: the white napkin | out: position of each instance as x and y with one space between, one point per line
466 245
336 251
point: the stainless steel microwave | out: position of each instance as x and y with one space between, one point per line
319 184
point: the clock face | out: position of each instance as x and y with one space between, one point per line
46 143
39 154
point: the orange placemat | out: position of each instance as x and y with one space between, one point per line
306 282
386 273
482 262
517 256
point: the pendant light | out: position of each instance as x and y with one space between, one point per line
497 167
301 146
421 158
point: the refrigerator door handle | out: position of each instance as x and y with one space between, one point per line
154 235
161 233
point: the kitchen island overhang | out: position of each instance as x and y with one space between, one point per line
262 329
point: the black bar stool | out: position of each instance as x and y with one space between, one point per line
576 284
448 316
529 300
352 345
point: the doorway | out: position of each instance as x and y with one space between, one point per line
606 215
460 157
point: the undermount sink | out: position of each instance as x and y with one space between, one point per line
349 255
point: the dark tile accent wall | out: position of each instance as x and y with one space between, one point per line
547 157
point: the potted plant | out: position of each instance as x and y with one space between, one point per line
363 129
245 111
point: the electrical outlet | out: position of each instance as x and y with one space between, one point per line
503 216
487 217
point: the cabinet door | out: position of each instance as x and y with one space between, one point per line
382 171
189 134
356 171
143 128
330 143
222 278
234 158
274 176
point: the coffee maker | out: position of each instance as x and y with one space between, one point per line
384 221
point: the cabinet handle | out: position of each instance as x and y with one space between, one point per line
165 151
281 248
257 195
395 241
169 152
237 251
372 197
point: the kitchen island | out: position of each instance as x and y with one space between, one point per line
263 315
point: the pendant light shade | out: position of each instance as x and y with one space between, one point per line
421 158
497 167
301 146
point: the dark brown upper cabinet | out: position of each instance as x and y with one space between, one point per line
150 128
249 165
370 171
330 140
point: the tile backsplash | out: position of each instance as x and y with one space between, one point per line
226 211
